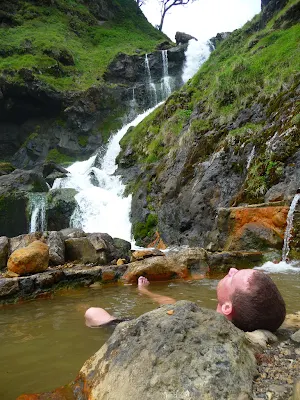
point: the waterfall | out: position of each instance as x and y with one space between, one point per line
101 205
250 158
289 227
196 54
166 80
37 210
151 84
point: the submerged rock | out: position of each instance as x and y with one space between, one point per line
29 260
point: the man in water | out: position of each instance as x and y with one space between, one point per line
247 297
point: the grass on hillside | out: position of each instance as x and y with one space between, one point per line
70 26
250 66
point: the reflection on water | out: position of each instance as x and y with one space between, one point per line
44 343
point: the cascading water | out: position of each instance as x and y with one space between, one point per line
151 84
250 158
284 265
166 79
101 204
37 209
196 54
289 227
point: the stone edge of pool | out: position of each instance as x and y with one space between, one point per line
192 263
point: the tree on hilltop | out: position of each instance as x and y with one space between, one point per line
166 5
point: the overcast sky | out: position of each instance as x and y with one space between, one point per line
203 18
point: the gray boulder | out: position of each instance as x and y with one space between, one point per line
55 241
122 248
69 233
114 248
100 247
61 205
178 351
3 251
21 241
80 249
183 38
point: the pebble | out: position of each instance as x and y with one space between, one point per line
278 370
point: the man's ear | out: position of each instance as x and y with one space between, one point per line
226 309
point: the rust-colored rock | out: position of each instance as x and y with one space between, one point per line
257 227
158 243
172 266
142 254
29 260
63 393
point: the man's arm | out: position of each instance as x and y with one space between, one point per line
142 287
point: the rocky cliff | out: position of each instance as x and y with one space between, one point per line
228 139
67 71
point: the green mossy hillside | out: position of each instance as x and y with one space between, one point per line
65 45
250 66
245 94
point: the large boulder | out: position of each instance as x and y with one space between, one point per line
183 38
18 242
177 265
80 249
109 248
29 260
56 244
224 260
178 351
3 251
61 205
69 233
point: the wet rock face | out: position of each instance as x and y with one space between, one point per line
250 228
61 205
189 351
14 188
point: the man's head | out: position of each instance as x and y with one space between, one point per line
251 300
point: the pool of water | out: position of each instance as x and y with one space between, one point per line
44 343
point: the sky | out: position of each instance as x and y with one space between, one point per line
203 18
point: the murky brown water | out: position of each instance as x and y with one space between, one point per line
44 343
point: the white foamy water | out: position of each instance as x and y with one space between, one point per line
37 209
282 266
289 227
102 206
196 54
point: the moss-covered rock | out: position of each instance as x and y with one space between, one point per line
61 204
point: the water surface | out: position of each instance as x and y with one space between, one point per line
44 343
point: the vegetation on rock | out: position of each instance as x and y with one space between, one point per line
243 97
65 44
